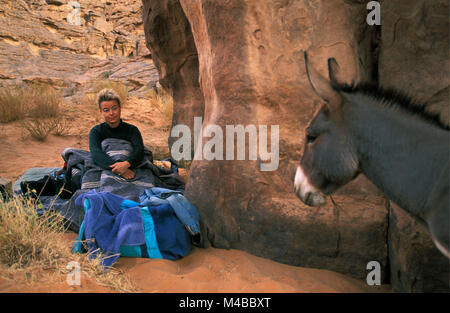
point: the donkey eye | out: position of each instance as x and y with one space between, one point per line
310 138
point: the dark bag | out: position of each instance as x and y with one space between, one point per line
48 186
42 187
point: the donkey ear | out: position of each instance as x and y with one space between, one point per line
333 71
337 77
321 86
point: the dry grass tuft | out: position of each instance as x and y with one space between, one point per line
162 101
30 243
60 127
38 129
12 106
43 101
88 100
113 278
35 101
37 107
27 239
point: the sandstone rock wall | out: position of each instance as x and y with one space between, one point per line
106 28
414 58
169 38
415 263
248 69
415 53
40 43
241 62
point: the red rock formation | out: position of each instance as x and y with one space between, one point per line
169 38
251 72
38 44
414 57
241 62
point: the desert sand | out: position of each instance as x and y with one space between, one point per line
203 270
208 270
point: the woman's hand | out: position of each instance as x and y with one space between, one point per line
129 174
120 168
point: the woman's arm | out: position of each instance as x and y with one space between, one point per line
137 155
98 155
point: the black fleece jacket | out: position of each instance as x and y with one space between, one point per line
124 131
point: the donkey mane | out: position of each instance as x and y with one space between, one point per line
393 98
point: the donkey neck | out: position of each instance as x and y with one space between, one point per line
400 153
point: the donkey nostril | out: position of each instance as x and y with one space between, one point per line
308 198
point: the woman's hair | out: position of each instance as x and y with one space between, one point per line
107 95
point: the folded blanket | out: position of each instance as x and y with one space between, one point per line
107 226
184 210
173 240
106 180
115 226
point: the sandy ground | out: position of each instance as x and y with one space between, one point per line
203 270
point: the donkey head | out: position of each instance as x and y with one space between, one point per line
329 158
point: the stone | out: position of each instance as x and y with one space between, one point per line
414 56
37 44
416 265
169 38
241 63
5 188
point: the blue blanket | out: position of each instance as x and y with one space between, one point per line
183 209
116 226
107 226
173 240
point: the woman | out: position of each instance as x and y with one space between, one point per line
113 127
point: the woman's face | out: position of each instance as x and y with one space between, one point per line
110 111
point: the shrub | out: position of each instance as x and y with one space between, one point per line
31 243
162 101
43 101
11 104
38 129
36 101
60 127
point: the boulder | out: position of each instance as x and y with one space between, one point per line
241 63
5 188
416 265
169 38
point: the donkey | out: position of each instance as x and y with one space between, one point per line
399 146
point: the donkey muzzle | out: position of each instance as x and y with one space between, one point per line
305 191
